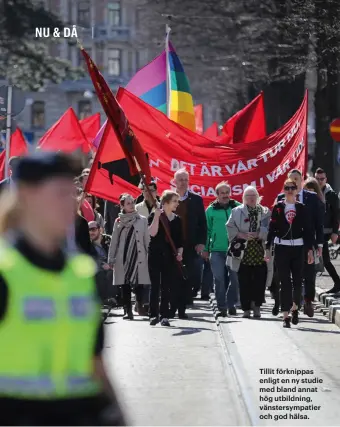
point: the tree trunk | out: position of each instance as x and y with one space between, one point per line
326 105
281 100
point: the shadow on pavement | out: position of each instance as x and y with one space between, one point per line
189 330
199 319
317 330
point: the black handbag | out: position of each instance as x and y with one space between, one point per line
237 248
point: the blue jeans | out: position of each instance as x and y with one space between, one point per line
225 280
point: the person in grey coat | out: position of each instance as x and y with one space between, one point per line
128 253
249 223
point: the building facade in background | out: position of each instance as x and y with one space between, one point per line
107 29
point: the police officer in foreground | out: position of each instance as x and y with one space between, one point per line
51 367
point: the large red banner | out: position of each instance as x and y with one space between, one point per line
263 164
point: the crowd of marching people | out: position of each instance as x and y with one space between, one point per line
233 249
165 249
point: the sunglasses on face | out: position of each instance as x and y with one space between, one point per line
289 188
93 229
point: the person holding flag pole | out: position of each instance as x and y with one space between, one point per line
133 151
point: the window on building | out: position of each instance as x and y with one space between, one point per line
84 109
138 60
130 63
138 19
38 114
80 61
114 62
114 13
100 57
84 12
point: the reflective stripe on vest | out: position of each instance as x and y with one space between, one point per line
39 308
36 308
43 385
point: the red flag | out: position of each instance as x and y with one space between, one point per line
199 118
18 147
133 151
65 135
212 131
110 173
264 164
249 124
90 126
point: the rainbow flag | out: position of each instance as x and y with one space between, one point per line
150 84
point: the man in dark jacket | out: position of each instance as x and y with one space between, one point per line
331 225
317 210
194 225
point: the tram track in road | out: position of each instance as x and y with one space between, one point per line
236 369
252 344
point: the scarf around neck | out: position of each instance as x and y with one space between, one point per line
128 219
253 218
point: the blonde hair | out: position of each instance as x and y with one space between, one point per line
252 189
10 212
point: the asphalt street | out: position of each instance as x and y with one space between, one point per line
199 372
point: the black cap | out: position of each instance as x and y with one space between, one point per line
43 166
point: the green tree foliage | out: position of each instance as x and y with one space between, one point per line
23 57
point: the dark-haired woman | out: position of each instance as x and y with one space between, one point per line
128 253
290 231
48 305
164 272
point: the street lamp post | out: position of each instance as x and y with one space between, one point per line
8 127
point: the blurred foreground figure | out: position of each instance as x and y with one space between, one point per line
51 368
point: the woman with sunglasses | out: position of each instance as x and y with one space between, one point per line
290 231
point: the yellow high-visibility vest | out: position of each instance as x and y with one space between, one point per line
49 332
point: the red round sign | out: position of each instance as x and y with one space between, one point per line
335 130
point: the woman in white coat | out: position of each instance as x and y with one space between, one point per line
128 253
248 227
